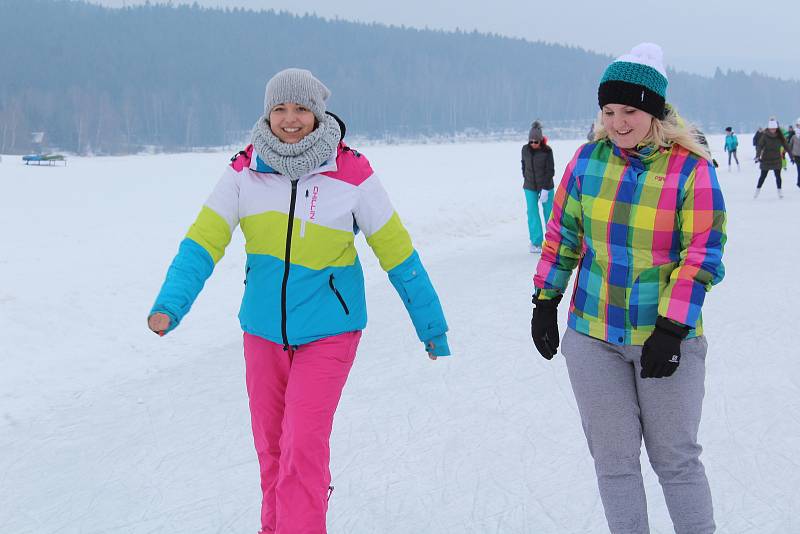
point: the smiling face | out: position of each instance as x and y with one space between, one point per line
291 122
626 125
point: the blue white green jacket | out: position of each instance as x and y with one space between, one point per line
303 278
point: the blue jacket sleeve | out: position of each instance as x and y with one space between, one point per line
185 279
412 283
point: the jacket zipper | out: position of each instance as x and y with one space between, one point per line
338 295
286 263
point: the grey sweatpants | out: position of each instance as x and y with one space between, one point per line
618 408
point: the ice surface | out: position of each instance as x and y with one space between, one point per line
104 427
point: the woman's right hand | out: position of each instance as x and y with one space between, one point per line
158 323
543 196
544 326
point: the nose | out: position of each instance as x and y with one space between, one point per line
291 116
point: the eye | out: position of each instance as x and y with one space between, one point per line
301 108
608 113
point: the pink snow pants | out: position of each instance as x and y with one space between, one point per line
293 396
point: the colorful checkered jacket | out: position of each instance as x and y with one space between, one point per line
303 278
646 234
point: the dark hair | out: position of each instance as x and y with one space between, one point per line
728 129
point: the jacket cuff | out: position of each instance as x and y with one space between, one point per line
173 321
440 346
547 298
673 328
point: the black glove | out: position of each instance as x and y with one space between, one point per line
661 353
544 326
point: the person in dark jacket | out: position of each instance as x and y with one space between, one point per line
770 156
757 136
794 153
538 170
701 138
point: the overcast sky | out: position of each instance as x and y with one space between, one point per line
697 35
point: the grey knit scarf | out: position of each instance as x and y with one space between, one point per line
297 159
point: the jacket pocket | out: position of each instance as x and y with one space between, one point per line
413 288
587 302
646 292
332 285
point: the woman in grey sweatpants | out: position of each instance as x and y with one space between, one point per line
640 213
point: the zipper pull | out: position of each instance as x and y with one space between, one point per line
306 193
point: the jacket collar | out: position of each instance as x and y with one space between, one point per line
642 161
259 165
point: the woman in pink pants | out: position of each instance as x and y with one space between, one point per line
301 196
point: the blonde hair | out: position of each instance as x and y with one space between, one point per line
666 132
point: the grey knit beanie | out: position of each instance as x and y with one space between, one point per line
535 134
298 86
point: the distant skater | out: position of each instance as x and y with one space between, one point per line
538 170
756 137
731 144
769 154
794 150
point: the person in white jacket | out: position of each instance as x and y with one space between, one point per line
300 196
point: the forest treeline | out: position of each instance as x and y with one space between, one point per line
105 80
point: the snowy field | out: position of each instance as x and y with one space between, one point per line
104 427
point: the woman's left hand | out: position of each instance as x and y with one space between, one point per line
429 347
437 347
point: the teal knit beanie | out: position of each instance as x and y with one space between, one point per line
637 79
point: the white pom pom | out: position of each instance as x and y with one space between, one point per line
649 54
649 51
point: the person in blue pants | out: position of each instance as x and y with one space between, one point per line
537 170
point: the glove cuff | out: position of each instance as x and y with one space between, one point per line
547 303
672 328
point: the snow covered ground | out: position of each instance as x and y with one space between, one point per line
105 427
